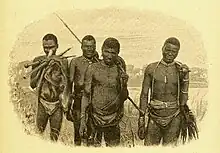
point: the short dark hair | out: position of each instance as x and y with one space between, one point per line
173 41
111 43
89 38
50 36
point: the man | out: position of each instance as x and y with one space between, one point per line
104 94
168 82
49 81
77 69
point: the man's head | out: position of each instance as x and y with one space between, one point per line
170 49
88 46
110 50
50 44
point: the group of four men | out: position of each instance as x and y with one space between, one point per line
98 89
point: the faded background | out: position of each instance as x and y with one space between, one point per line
141 35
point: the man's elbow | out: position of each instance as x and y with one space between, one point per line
86 94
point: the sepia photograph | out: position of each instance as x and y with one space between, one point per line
111 76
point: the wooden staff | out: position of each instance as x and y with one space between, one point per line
38 62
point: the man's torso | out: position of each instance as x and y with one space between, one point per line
105 93
80 68
165 86
50 92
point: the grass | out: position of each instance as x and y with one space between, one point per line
24 101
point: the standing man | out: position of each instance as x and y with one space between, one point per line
50 82
168 82
104 94
77 69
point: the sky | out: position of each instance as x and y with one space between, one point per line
140 33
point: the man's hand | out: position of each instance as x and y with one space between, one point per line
141 127
124 77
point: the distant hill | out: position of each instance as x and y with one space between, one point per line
141 34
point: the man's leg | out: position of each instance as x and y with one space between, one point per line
55 124
153 134
42 118
171 133
98 139
112 136
91 132
76 123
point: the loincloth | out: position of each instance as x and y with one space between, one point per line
163 121
50 107
104 118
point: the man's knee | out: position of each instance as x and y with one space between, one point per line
171 134
76 115
153 134
40 129
56 119
41 122
77 136
112 136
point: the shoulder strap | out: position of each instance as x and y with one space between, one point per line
152 82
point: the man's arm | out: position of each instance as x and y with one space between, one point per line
86 99
124 77
146 85
184 85
87 90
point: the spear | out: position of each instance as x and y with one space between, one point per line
129 98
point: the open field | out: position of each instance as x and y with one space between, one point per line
25 100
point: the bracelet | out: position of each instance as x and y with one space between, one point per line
184 92
82 116
185 80
141 118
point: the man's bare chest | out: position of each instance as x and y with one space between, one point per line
106 76
165 75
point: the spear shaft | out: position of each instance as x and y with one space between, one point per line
129 98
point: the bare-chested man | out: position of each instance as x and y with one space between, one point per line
168 82
104 94
77 69
49 81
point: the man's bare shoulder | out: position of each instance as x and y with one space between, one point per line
78 58
75 60
92 68
95 65
150 67
181 65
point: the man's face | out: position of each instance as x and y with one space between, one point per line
50 47
88 48
170 52
109 55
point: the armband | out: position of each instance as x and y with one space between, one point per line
184 92
185 80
